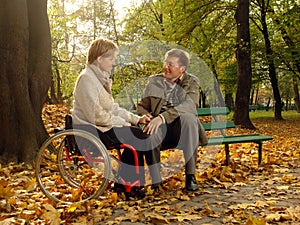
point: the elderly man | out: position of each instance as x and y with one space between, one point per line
172 98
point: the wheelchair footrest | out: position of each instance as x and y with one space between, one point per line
132 190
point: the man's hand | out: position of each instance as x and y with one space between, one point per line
153 125
145 119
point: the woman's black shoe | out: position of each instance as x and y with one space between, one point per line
118 188
135 193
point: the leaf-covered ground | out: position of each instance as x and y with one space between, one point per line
241 193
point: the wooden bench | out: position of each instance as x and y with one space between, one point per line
215 123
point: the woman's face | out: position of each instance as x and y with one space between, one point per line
106 63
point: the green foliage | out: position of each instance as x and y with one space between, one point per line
74 25
283 22
129 81
230 77
66 56
206 28
195 25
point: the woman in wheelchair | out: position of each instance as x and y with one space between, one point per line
95 111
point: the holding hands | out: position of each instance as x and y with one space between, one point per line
153 125
145 119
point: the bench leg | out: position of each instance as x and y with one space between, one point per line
227 154
259 153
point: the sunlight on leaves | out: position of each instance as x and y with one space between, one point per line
269 187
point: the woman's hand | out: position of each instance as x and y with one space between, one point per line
145 119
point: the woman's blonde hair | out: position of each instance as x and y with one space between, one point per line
101 47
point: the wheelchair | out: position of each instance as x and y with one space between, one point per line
74 165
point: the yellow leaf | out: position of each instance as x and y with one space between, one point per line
185 198
150 191
261 204
156 218
283 187
255 221
12 201
207 210
273 217
73 207
114 197
5 190
188 217
31 184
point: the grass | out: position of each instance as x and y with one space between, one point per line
269 114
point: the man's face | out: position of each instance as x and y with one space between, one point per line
172 68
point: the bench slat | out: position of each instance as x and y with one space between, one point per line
255 138
212 111
218 125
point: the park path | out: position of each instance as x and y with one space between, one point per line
275 200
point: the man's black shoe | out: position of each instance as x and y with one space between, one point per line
191 183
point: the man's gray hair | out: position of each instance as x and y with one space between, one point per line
184 57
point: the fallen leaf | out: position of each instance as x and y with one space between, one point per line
51 214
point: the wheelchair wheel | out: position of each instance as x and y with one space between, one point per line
73 166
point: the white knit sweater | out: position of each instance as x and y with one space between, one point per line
94 105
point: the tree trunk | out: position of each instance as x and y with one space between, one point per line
292 47
59 96
202 100
52 99
251 102
295 61
296 91
256 97
271 64
268 104
24 77
244 71
229 101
